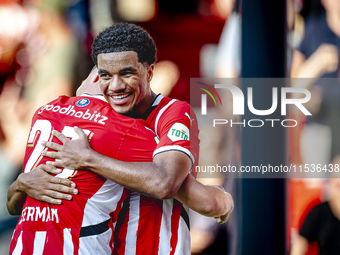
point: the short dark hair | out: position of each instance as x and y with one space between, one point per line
125 37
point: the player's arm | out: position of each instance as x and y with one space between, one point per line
160 179
15 199
209 201
39 185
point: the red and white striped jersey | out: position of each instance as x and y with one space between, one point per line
85 224
151 226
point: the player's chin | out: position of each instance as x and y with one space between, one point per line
123 110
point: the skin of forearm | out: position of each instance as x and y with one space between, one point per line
147 178
15 199
207 200
221 202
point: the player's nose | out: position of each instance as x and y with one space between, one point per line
117 84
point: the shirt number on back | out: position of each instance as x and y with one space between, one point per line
44 128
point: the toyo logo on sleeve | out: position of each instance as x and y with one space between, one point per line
178 132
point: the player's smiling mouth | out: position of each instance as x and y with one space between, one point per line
121 98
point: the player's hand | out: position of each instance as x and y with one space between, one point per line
229 208
42 186
71 154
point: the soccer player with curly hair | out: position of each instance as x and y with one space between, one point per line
153 219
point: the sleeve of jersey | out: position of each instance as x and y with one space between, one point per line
177 129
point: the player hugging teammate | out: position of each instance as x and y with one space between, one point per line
133 181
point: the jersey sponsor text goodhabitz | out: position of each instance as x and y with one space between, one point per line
70 111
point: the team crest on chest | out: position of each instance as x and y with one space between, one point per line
83 102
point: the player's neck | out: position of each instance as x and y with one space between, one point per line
143 106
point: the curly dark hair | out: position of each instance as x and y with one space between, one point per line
125 37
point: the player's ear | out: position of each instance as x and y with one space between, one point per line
150 72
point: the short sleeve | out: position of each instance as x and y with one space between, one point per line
177 129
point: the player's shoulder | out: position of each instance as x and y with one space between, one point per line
88 108
173 106
81 102
174 114
58 101
172 101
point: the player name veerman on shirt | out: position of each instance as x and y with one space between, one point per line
44 214
70 111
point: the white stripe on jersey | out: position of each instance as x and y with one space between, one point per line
183 248
160 112
131 237
178 250
39 242
96 211
165 233
102 203
68 244
96 244
174 147
18 246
